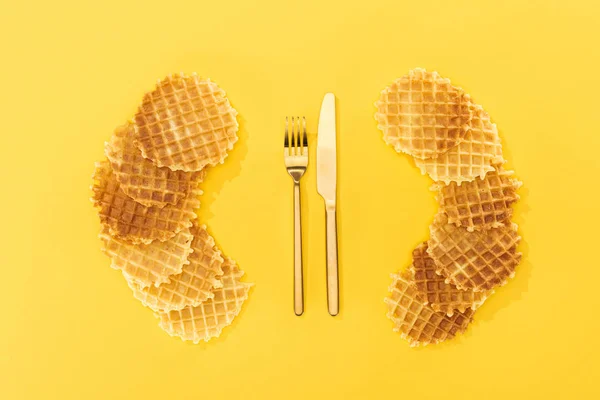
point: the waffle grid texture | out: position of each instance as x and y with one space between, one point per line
441 296
208 319
148 265
422 114
195 282
478 260
129 220
186 123
146 193
473 157
480 204
473 245
139 178
417 322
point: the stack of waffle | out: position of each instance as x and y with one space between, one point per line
472 247
146 193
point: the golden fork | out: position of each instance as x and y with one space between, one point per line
296 160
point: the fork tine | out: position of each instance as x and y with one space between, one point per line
292 136
305 137
298 137
286 139
295 140
296 143
292 141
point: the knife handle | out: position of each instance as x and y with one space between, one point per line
298 279
333 296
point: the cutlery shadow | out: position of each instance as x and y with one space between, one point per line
305 206
339 210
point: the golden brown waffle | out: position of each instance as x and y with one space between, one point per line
132 221
194 284
479 260
148 264
417 322
139 178
422 114
186 123
208 319
480 204
473 157
438 294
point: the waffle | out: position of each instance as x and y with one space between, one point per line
139 178
132 221
417 322
194 284
208 319
479 260
186 123
480 204
422 114
148 264
438 294
473 157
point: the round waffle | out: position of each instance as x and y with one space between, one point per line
416 321
132 221
186 123
208 319
148 264
479 260
481 204
438 294
473 245
139 178
473 157
422 114
195 282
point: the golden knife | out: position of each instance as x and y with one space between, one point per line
326 186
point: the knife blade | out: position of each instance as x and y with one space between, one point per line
327 186
326 151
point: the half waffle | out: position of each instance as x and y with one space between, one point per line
139 178
208 319
148 264
132 221
417 322
186 123
194 284
479 260
480 204
441 296
473 157
422 114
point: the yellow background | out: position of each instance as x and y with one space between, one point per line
72 71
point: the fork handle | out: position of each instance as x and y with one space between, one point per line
333 296
298 278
